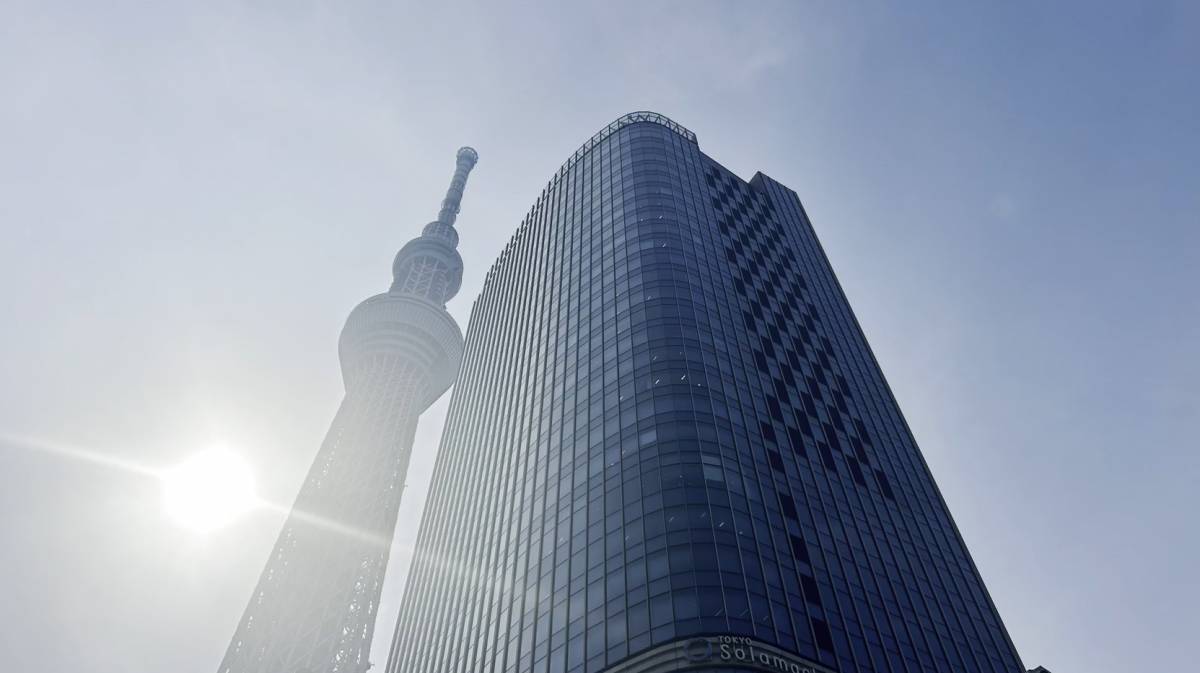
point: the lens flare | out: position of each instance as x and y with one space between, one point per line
209 490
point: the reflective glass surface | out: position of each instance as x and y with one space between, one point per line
669 423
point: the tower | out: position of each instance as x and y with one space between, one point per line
313 610
671 447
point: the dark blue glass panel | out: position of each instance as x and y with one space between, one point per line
669 424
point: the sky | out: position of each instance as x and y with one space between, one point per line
194 195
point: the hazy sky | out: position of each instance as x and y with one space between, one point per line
194 195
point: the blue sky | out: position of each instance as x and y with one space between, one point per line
192 198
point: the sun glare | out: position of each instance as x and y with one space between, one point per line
209 490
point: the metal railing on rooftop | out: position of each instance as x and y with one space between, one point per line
620 123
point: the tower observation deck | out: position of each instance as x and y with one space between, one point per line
314 608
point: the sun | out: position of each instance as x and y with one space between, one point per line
209 490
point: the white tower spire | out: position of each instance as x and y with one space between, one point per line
314 608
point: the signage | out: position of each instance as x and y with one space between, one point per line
746 652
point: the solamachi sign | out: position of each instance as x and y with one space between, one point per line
745 652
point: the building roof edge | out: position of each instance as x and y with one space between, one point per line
618 124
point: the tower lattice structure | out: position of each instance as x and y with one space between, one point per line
314 608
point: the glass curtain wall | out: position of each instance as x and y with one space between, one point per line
669 424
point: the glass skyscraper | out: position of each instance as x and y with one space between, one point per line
670 447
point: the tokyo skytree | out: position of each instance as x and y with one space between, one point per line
314 608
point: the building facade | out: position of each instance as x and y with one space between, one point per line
671 447
314 608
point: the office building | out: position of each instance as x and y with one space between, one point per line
671 447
